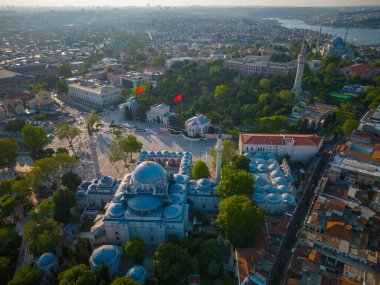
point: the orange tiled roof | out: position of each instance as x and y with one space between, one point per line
277 139
339 230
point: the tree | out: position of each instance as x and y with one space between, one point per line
264 83
134 250
103 277
221 90
158 60
65 70
210 258
79 274
27 275
35 138
47 172
65 131
122 148
124 281
71 180
7 205
8 152
349 126
200 170
64 201
239 218
241 161
42 232
171 262
62 87
227 154
92 118
286 95
15 125
234 182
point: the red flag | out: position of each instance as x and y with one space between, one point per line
178 98
140 90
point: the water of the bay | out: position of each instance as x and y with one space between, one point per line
355 35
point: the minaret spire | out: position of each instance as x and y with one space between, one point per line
219 150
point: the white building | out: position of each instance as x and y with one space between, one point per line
159 113
197 125
297 147
93 94
131 104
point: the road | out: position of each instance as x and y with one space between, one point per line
312 177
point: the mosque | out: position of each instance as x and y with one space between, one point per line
337 47
152 202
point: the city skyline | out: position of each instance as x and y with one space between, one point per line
275 3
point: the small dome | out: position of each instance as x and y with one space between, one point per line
185 164
144 203
259 161
273 167
276 173
269 189
165 153
273 198
116 210
95 181
172 211
191 190
262 168
106 180
117 197
46 259
118 181
152 153
249 154
260 181
180 154
281 181
149 172
259 155
93 187
143 156
176 198
80 194
259 198
271 160
84 185
270 155
203 183
137 273
184 172
177 188
144 152
158 153
259 189
252 168
283 189
178 178
108 254
173 154
288 198
192 183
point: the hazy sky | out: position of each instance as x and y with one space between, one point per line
190 2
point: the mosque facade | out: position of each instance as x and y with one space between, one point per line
337 47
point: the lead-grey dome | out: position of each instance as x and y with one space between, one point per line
148 172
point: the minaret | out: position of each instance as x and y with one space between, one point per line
219 150
297 88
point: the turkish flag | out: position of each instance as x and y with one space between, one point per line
178 98
140 90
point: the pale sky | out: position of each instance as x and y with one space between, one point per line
189 2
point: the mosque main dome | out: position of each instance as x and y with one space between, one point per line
149 172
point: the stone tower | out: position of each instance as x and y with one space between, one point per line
219 150
297 88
